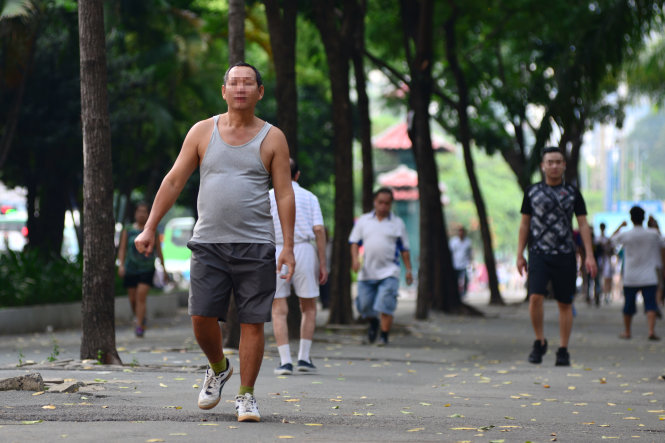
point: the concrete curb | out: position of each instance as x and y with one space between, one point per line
41 318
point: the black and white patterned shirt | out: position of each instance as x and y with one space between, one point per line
551 209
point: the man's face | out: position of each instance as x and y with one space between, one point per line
382 204
553 165
141 214
241 90
461 232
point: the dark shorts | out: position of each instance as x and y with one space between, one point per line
245 269
560 269
648 295
133 280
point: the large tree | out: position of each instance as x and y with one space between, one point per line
98 318
335 28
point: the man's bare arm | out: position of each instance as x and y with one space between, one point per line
280 170
172 184
585 233
320 236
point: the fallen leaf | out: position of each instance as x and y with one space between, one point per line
509 418
546 386
313 424
463 429
39 393
31 422
232 427
406 412
178 434
154 440
425 404
631 418
456 416
285 436
48 407
195 386
571 388
292 400
163 385
208 424
415 430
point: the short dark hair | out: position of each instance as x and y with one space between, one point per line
602 226
384 190
294 168
636 215
259 81
551 149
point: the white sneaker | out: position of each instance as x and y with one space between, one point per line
212 386
246 408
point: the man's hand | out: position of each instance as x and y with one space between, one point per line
145 242
323 275
521 265
287 258
590 264
121 271
409 277
355 264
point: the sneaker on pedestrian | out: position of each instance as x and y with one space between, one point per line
562 357
246 408
383 341
539 349
304 366
212 386
139 331
285 369
372 330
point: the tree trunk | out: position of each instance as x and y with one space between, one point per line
335 41
98 318
231 328
365 124
437 285
282 28
465 138
236 31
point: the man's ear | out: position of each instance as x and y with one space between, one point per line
261 92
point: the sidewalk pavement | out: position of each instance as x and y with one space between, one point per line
448 379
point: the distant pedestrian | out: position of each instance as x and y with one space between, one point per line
308 275
461 250
605 265
643 256
546 226
383 237
138 270
233 244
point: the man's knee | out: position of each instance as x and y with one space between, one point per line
280 307
307 305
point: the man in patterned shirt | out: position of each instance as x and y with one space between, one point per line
546 225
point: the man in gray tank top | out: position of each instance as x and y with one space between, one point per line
233 244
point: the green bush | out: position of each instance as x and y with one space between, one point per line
29 278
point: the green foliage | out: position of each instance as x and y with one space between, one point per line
503 198
55 352
28 278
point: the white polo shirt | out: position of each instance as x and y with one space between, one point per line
641 255
382 243
308 215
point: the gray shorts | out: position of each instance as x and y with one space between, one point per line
246 269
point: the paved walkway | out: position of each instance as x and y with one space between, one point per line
445 379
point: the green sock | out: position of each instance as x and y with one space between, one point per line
245 389
219 367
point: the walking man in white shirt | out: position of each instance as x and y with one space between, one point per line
311 271
643 254
383 237
460 247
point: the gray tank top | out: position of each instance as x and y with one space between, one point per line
233 201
